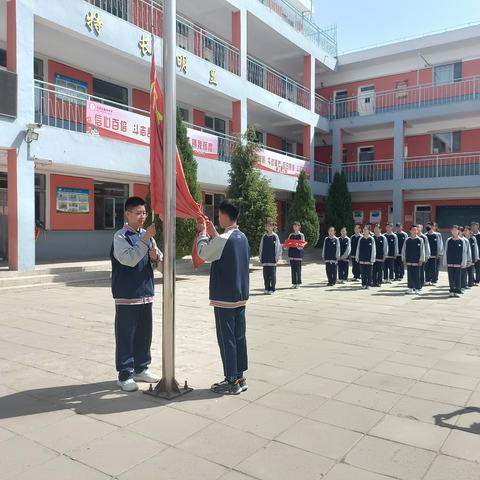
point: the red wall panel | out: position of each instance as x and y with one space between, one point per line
140 99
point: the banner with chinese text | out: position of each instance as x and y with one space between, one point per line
205 145
277 162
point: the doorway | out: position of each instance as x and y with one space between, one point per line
3 217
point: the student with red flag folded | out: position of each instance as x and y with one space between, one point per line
295 254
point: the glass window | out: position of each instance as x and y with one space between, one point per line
446 142
259 136
184 113
448 73
366 154
287 146
109 205
423 214
3 58
77 90
40 199
38 69
119 8
110 91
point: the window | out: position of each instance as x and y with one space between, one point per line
110 91
446 142
259 136
211 204
119 8
422 214
71 90
448 73
341 103
184 113
39 94
182 35
344 155
109 205
401 89
40 199
3 58
366 154
215 124
38 69
287 146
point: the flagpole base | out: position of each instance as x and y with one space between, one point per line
168 390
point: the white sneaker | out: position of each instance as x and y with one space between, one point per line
451 294
128 385
416 292
265 292
146 376
410 291
293 286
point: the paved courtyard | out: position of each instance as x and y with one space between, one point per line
345 384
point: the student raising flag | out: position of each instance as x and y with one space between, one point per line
186 205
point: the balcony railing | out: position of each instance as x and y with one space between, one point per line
277 83
445 165
371 171
322 106
148 14
322 172
325 38
371 102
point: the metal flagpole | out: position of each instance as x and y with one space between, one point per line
168 386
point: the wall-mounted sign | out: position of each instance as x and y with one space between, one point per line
94 22
213 78
375 216
204 144
278 163
144 45
106 121
358 216
72 200
182 63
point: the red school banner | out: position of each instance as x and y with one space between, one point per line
278 163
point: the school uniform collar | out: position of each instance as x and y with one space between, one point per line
131 229
231 227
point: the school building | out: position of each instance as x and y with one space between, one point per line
401 120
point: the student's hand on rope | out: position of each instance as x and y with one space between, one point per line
201 227
153 254
211 230
150 232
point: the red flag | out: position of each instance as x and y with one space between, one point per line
186 205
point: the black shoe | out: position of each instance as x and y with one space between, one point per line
227 388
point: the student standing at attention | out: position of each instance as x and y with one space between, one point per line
389 264
413 254
345 250
436 246
401 237
229 290
473 256
270 253
455 259
353 251
365 256
476 233
295 255
331 254
464 268
426 246
381 247
134 255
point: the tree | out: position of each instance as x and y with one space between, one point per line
303 210
185 226
251 191
338 211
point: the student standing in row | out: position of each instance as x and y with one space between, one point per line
270 252
455 259
295 255
426 246
331 254
473 246
464 268
413 254
434 226
401 237
435 245
389 264
345 250
365 256
476 233
353 251
381 248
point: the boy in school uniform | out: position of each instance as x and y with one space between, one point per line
381 248
401 237
455 259
473 256
426 246
441 248
331 254
345 250
365 256
413 254
229 254
435 245
476 233
464 268
270 252
295 255
134 256
389 264
353 251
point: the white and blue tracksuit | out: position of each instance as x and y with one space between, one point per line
133 291
413 254
229 292
270 252
399 268
474 254
365 256
389 263
455 259
435 244
426 246
381 247
353 251
295 255
345 250
330 254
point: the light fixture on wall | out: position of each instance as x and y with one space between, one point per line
31 134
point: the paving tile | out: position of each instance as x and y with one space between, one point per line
297 403
462 444
401 370
107 454
410 432
337 372
5 434
310 384
174 464
449 468
277 461
440 393
390 458
421 409
262 421
351 417
222 444
342 471
326 440
450 379
381 381
368 397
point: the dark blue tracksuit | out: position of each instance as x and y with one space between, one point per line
477 263
381 247
399 268
295 255
365 256
392 252
345 250
270 252
355 265
431 266
455 258
413 254
229 291
331 252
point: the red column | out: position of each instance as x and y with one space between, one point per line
12 209
236 118
236 29
12 36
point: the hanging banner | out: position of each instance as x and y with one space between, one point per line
358 216
375 216
110 122
72 200
205 145
278 163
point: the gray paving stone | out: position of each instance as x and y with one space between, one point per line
449 468
368 397
342 471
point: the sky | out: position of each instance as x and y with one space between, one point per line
362 23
